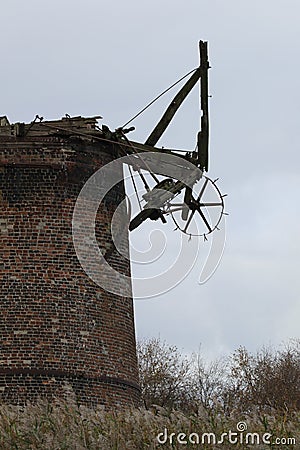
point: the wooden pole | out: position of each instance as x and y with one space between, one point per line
203 135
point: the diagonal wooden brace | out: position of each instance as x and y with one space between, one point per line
173 107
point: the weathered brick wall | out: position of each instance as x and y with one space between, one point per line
58 329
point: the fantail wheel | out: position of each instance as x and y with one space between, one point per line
196 211
203 204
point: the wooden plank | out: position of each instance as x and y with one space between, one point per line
173 107
203 135
163 165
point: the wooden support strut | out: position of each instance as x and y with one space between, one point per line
173 107
203 135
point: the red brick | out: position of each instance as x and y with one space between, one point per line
59 330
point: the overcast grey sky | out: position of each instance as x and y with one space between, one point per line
111 58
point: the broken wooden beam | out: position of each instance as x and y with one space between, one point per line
203 135
173 107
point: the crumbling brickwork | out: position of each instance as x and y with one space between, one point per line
59 331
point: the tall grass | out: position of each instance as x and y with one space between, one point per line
64 425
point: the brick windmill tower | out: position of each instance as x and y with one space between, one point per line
58 327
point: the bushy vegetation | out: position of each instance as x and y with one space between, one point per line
265 381
181 395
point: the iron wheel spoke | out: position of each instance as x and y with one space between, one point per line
204 219
189 220
202 190
210 204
